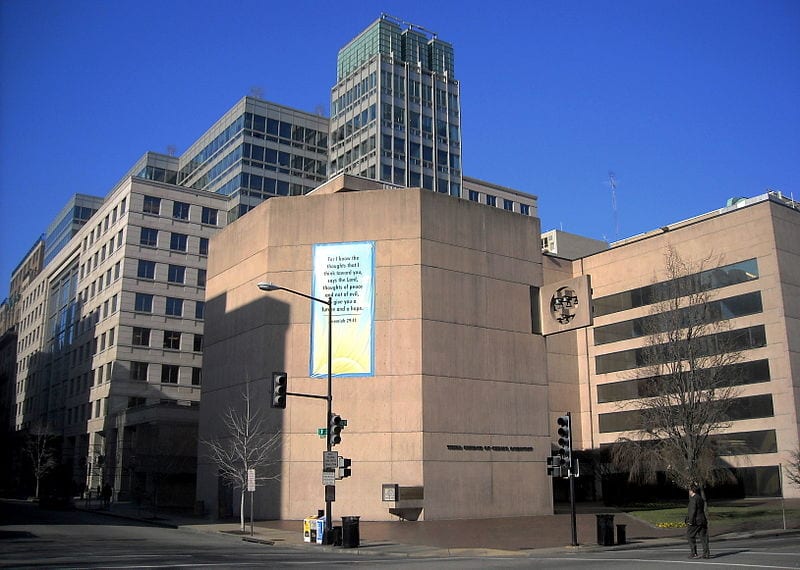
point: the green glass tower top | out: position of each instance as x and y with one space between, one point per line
403 41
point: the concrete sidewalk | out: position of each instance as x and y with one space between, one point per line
518 536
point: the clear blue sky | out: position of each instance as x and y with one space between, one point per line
687 102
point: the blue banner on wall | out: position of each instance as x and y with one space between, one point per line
345 272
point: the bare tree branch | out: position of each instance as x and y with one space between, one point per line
39 447
689 371
793 469
245 445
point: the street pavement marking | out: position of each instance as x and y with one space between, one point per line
703 561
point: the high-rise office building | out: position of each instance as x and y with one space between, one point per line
395 108
257 150
108 307
108 341
69 220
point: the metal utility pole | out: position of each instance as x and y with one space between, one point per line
329 489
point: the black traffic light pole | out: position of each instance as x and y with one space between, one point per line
565 443
329 397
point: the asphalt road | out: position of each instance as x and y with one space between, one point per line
32 537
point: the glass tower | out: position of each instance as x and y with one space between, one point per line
395 109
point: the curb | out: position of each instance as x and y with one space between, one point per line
152 522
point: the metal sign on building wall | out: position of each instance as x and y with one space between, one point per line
345 272
566 305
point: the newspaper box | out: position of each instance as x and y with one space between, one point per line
320 529
310 529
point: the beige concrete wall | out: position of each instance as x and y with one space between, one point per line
765 231
566 357
452 341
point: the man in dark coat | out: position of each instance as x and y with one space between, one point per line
696 522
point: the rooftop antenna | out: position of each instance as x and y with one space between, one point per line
612 181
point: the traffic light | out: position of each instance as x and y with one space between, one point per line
279 383
343 470
554 466
565 440
335 426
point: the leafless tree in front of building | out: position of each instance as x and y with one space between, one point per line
688 376
793 468
40 447
244 444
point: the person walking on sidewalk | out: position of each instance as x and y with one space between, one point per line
106 494
697 523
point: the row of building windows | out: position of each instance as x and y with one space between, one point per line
352 126
364 150
175 273
314 140
739 374
173 306
104 225
169 373
728 341
711 312
491 200
353 95
746 408
180 210
148 237
275 160
141 336
219 142
95 260
704 281
738 443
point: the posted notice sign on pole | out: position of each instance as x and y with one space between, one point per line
251 480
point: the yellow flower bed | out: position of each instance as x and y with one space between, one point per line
671 525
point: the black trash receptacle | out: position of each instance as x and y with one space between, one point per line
605 530
621 538
335 537
350 532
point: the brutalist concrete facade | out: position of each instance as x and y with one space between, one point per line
456 411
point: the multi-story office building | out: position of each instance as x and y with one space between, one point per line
752 252
110 336
395 109
109 315
67 223
256 150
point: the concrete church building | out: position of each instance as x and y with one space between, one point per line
453 403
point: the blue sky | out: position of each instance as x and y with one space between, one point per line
689 103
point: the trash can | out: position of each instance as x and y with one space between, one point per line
335 538
621 534
605 530
350 533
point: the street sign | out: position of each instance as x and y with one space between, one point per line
330 460
329 478
322 432
251 480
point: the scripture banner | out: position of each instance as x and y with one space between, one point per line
346 272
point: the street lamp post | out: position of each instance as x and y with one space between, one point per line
329 398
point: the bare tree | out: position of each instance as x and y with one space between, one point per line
793 469
40 448
687 381
245 445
